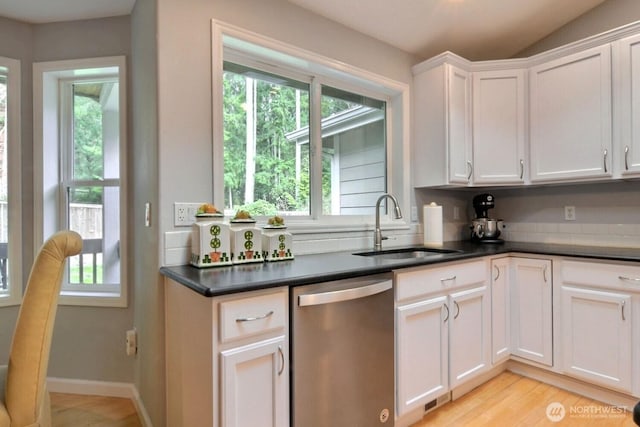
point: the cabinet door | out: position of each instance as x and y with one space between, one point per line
422 342
254 384
596 336
469 334
459 124
531 304
628 151
570 111
500 311
498 127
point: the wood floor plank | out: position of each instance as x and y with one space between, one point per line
73 410
512 400
506 400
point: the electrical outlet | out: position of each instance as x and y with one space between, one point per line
147 214
131 342
456 213
184 214
570 213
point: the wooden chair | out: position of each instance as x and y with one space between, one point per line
24 399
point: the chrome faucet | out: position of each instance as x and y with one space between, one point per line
377 234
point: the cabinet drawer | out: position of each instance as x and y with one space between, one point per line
417 283
244 317
601 275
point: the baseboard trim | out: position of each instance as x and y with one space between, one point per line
601 394
101 388
468 386
92 388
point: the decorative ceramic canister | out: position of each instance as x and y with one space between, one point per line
277 244
246 242
210 243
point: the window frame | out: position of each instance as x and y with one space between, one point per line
14 252
49 127
234 44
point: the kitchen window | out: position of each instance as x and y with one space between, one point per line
10 195
300 138
82 189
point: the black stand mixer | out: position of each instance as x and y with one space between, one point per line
483 228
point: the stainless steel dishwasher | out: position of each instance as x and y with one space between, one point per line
342 357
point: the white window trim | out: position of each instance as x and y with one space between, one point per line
14 296
290 60
46 76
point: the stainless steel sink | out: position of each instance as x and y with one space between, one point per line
408 253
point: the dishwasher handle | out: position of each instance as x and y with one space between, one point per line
344 294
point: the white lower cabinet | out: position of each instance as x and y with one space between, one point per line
598 303
469 334
531 310
254 384
227 358
597 336
500 310
423 349
443 330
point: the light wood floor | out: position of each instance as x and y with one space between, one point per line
74 410
513 400
507 400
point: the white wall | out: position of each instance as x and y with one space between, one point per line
184 118
608 15
17 40
184 48
87 342
143 171
184 99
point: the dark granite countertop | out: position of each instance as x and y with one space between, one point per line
307 269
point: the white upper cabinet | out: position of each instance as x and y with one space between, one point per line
627 65
567 115
570 113
442 126
499 127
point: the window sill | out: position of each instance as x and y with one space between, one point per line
303 228
92 299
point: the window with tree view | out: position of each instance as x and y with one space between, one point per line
269 138
4 187
91 183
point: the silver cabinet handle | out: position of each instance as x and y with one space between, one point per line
470 167
446 279
446 318
629 279
605 160
521 169
622 311
251 319
497 272
626 158
455 316
544 274
281 353
344 294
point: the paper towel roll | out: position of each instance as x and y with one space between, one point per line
433 234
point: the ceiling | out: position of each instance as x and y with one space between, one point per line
42 11
475 29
